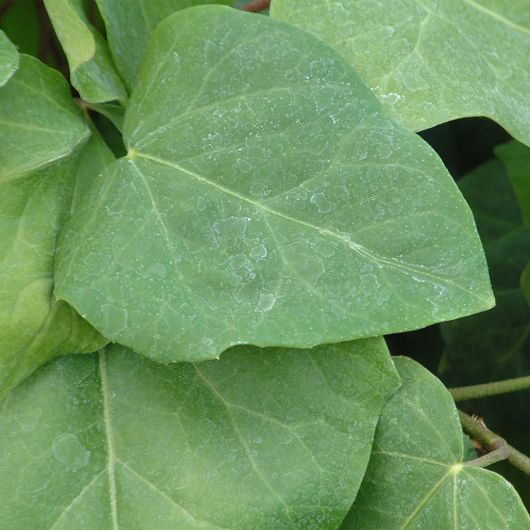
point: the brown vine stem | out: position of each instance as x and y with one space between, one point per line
257 5
490 389
499 448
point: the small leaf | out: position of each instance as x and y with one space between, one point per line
40 135
266 199
493 345
431 61
91 69
8 59
129 25
417 478
274 439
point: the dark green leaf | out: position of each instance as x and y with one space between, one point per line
91 69
276 439
493 345
431 61
417 477
130 23
266 199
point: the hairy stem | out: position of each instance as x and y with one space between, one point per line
498 447
490 389
257 5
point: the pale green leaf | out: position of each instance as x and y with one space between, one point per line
40 135
493 345
266 199
431 61
92 71
129 25
273 439
8 59
417 478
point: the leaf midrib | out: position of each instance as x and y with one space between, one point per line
342 238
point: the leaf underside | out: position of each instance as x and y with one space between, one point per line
92 71
416 477
431 61
266 199
261 439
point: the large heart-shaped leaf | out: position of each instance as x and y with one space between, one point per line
266 199
417 478
41 131
274 439
493 345
8 59
91 69
431 61
129 25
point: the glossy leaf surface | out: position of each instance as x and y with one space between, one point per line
416 477
91 68
493 345
8 59
41 132
266 199
129 25
431 61
274 439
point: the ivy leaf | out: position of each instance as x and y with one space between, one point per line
8 59
129 25
41 132
430 61
266 199
493 345
416 477
91 69
274 439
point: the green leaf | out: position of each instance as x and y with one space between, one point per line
431 61
274 439
129 25
92 72
41 132
8 59
266 199
516 158
493 345
416 477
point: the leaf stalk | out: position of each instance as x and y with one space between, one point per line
490 389
498 447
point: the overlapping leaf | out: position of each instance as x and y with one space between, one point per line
431 61
417 478
8 59
129 25
493 345
266 199
274 439
91 69
41 132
